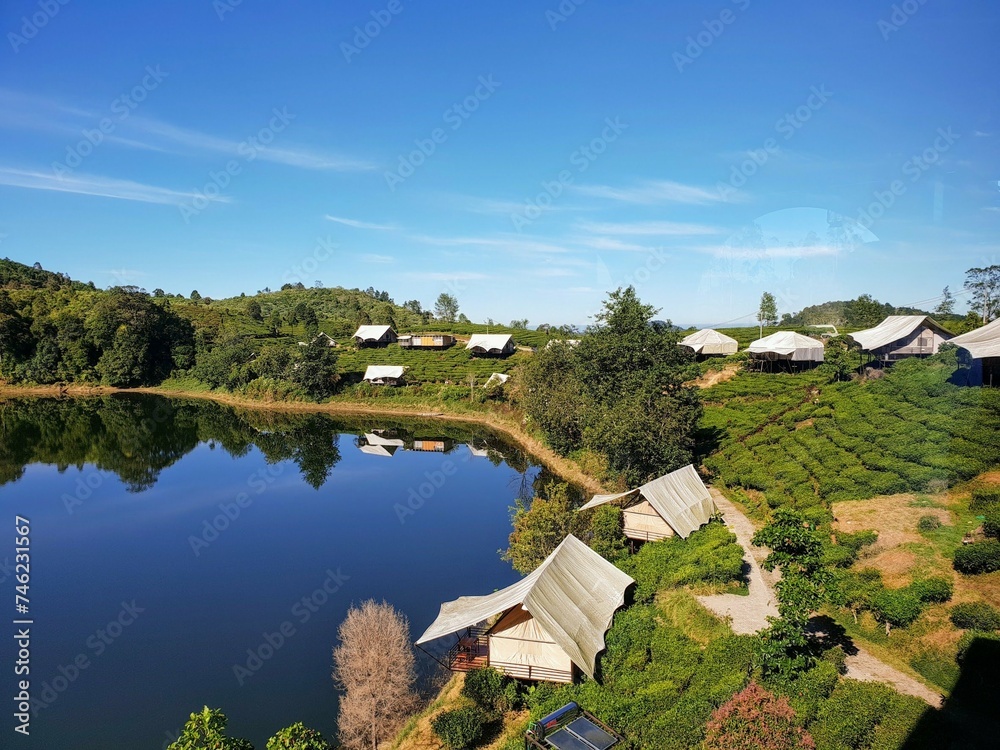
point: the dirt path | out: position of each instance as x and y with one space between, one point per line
713 377
749 613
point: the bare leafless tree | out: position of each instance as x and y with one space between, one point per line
374 667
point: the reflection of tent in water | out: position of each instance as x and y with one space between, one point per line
433 445
376 445
550 623
477 452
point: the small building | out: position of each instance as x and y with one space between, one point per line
983 344
376 445
491 344
547 626
374 336
902 336
384 375
427 341
709 342
433 445
789 347
677 503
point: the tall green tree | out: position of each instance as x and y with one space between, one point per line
865 312
446 307
984 284
206 730
946 305
767 313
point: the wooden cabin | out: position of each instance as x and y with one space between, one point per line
427 341
902 336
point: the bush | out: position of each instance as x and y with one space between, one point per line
897 729
936 589
968 638
755 719
975 616
896 607
928 523
298 737
460 728
983 557
991 526
492 691
607 537
848 719
983 499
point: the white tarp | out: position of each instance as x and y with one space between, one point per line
982 342
520 639
895 328
788 345
374 439
710 341
383 372
371 333
680 498
573 595
490 342
641 521
378 450
497 377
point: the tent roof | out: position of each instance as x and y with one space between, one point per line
371 332
680 498
488 341
374 439
785 343
497 377
573 594
711 341
982 342
894 328
377 372
377 450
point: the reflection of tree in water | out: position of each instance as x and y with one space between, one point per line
136 437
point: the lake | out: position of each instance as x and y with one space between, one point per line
186 553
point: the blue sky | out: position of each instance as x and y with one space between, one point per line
526 157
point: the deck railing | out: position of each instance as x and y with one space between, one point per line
530 672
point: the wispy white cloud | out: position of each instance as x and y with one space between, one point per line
447 276
647 228
653 192
776 251
376 258
502 242
105 187
357 224
610 243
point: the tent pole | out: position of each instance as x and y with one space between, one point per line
433 657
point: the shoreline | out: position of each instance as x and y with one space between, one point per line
548 458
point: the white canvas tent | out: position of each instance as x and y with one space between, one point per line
374 335
553 617
900 336
787 345
376 445
981 343
384 374
680 500
710 341
490 343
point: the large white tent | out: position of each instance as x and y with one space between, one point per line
981 343
490 343
554 617
384 374
787 345
676 503
900 336
374 335
710 341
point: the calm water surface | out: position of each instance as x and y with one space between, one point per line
168 538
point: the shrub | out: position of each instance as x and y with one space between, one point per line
607 537
298 737
897 729
460 728
936 589
983 557
991 526
975 616
928 523
848 719
754 719
896 607
968 638
983 499
492 691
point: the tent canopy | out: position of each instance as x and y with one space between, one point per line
982 342
573 595
371 333
680 498
788 345
894 328
383 372
497 377
490 341
710 341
